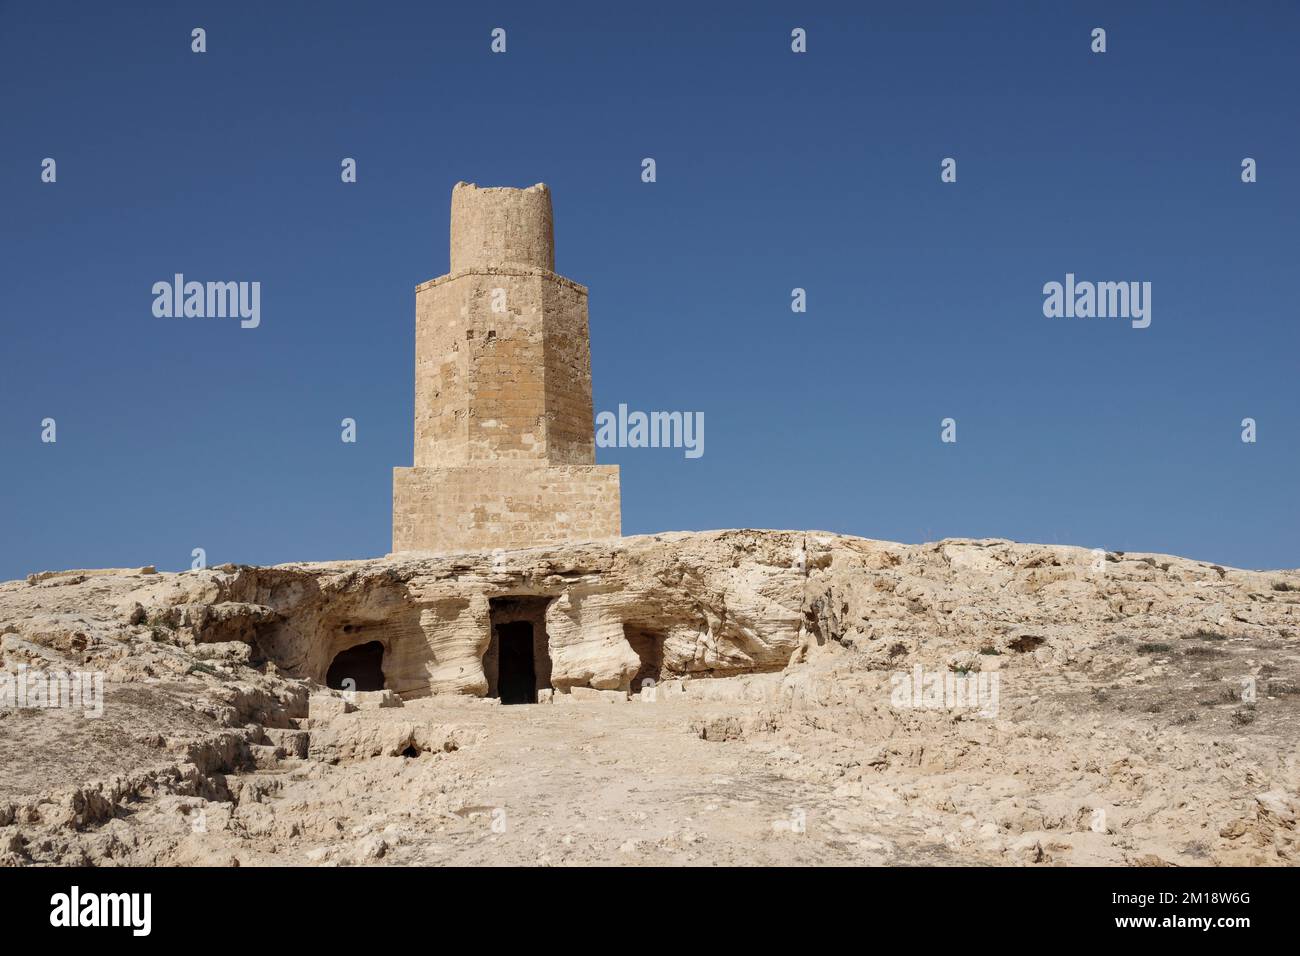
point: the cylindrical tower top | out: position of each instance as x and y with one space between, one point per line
500 226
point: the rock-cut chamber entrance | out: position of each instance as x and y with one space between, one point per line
518 660
516 670
363 664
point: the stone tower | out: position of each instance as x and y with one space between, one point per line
505 452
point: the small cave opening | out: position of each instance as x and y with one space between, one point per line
517 663
649 647
362 664
410 752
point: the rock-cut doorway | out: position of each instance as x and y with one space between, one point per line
516 667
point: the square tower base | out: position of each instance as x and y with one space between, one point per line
500 504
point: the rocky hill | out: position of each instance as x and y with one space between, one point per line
719 697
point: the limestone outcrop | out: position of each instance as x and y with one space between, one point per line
684 605
273 702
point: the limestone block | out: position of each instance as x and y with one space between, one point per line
231 652
504 505
670 689
325 706
265 756
375 699
599 696
384 733
292 742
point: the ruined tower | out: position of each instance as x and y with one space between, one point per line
505 453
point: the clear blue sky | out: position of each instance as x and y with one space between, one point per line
775 170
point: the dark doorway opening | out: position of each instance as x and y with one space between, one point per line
516 670
517 660
363 664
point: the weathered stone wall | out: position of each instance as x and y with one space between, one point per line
502 385
569 417
503 505
498 226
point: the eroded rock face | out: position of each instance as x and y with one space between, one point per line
612 615
650 606
609 612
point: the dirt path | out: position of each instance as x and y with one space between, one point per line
563 784
631 783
